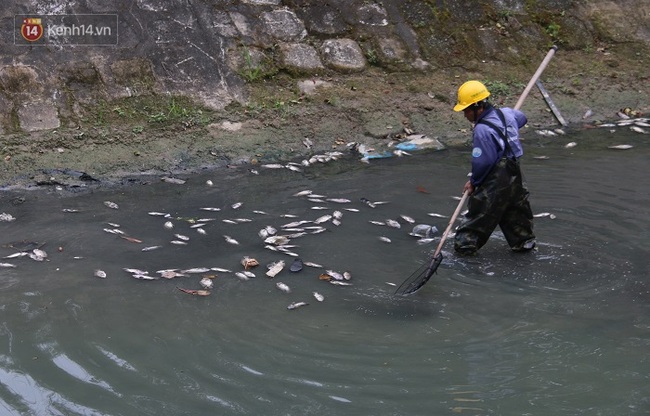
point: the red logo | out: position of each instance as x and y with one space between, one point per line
32 29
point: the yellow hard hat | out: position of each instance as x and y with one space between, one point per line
470 93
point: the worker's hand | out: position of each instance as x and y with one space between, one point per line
469 188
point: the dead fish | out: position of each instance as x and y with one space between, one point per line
283 287
351 209
545 214
377 222
100 273
206 283
169 225
236 205
113 231
296 305
175 181
335 275
337 215
157 214
289 216
318 297
318 208
151 248
340 283
423 241
7 265
182 237
368 202
273 166
295 224
339 200
242 276
621 147
638 129
270 230
541 157
384 239
194 292
311 264
227 221
170 274
381 202
303 193
210 209
318 230
570 145
134 271
201 231
220 270
70 210
131 239
260 212
230 240
19 254
433 214
347 275
275 268
307 142
37 255
178 242
408 219
249 274
277 240
144 277
111 205
391 284
336 222
242 220
322 219
393 223
263 233
196 270
293 168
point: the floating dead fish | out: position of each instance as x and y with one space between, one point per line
263 233
275 268
377 222
289 216
194 291
311 264
322 219
37 255
433 214
317 208
277 240
178 242
381 202
170 274
15 255
260 212
230 240
201 231
70 210
270 230
295 224
391 284
7 265
340 283
318 230
209 182
296 305
339 200
144 277
336 222
318 297
100 273
638 129
130 239
157 214
151 248
407 219
293 168
134 271
393 223
206 283
423 241
337 215
175 181
384 239
249 274
351 209
283 287
296 235
347 275
210 209
621 147
546 133
249 262
182 237
273 166
242 276
227 221
541 157
169 225
368 202
641 123
236 205
303 193
334 275
196 270
113 231
220 270
545 214
570 145
111 205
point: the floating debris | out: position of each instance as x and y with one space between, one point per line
111 205
621 147
318 297
100 273
206 283
7 265
175 181
275 268
249 262
194 292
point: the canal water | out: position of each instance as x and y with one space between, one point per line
561 330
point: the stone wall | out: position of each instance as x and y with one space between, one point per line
209 49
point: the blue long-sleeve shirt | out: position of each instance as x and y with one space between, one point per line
488 146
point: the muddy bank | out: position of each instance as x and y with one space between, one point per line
139 139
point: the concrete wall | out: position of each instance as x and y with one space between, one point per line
209 49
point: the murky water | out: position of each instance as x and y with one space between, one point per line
564 330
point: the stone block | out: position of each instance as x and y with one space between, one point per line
284 25
36 116
343 55
300 57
